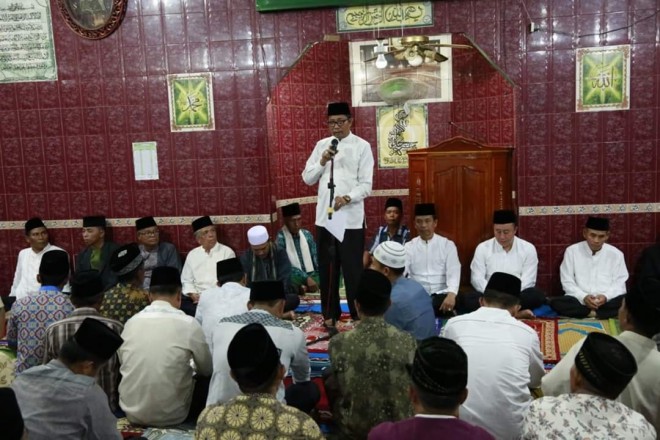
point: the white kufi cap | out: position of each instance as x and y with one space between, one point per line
391 254
257 235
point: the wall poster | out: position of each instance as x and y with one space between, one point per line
602 78
191 102
400 129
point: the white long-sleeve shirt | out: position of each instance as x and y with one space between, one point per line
490 257
288 338
27 267
353 176
434 264
583 273
504 360
157 377
220 302
199 271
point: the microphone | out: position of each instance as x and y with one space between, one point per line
333 145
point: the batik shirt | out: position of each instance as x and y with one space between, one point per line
584 417
255 416
369 364
123 301
30 316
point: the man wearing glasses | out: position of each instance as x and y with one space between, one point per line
353 165
155 252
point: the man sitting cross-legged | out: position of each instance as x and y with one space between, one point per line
228 298
369 381
255 366
639 318
439 379
603 368
504 358
61 400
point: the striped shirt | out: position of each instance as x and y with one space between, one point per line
59 332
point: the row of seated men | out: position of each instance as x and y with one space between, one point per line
472 382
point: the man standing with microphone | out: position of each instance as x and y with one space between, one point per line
345 170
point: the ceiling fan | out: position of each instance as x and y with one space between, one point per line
415 49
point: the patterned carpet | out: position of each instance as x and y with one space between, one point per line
548 337
573 330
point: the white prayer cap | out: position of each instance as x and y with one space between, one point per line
391 254
257 235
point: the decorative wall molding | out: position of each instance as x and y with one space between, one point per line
615 208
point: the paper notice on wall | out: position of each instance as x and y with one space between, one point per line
145 160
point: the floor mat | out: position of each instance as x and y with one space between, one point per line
547 329
573 330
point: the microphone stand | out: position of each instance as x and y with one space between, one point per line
331 187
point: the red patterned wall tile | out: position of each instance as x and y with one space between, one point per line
615 156
58 205
138 119
165 202
589 158
643 187
29 97
643 123
49 96
588 189
56 178
589 127
186 174
563 190
537 160
35 178
79 204
232 201
51 122
14 180
563 159
186 202
642 228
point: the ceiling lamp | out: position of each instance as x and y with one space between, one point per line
413 57
381 50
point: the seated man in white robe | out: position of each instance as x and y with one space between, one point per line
504 359
228 298
432 261
506 252
603 368
593 275
639 319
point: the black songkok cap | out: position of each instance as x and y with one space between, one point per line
425 209
144 222
229 266
339 108
290 210
34 222
97 338
165 276
605 363
201 222
92 221
504 283
54 263
267 291
394 203
11 421
252 356
125 259
440 367
598 224
374 289
86 283
504 216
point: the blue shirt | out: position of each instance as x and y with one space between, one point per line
411 309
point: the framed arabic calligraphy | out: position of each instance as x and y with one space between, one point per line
400 129
602 78
402 15
92 19
191 102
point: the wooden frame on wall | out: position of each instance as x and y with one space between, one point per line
92 19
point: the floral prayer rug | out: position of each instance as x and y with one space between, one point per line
573 330
547 329
316 334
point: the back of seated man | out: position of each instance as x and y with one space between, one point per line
127 297
266 306
504 358
160 345
258 373
301 249
154 251
639 319
602 369
506 252
439 379
61 400
230 297
97 252
593 275
265 261
411 309
31 315
198 273
27 267
86 296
